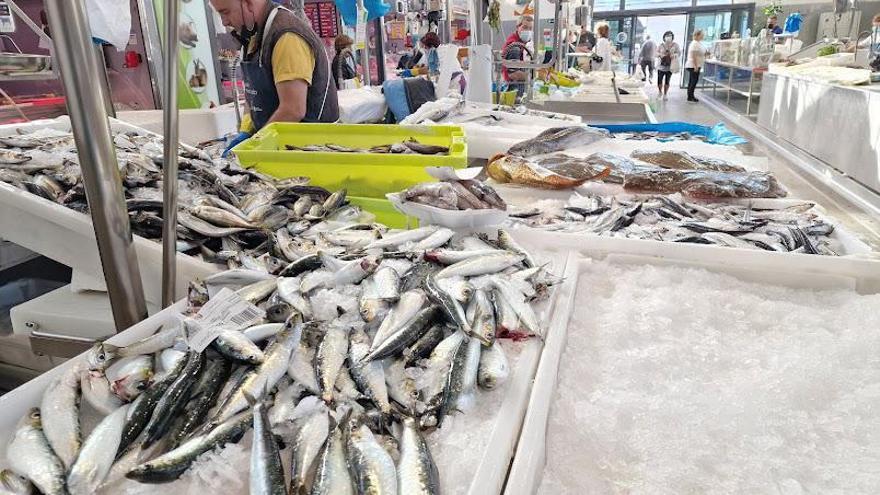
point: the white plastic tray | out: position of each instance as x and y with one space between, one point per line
15 404
453 219
496 439
68 237
754 266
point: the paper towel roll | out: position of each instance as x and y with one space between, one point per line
479 86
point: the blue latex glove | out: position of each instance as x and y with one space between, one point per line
406 73
235 142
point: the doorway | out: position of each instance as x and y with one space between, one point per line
656 26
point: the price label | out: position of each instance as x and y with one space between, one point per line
225 311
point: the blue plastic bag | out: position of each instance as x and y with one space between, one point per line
793 22
348 10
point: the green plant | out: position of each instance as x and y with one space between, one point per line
772 9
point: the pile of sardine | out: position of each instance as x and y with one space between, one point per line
224 208
408 147
798 228
351 360
455 195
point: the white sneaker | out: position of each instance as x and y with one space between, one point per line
665 97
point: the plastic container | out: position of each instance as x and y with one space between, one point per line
370 175
453 219
385 212
508 98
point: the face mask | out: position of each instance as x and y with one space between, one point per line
525 36
667 39
244 34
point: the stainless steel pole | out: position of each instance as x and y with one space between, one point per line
365 51
169 163
91 129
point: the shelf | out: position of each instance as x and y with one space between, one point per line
36 76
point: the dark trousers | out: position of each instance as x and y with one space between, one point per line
693 78
647 65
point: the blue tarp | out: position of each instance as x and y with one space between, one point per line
719 134
348 10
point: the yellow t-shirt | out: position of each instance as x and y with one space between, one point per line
292 59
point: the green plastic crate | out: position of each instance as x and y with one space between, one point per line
369 175
385 212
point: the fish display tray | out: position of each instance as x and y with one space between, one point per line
385 212
805 272
68 237
370 175
453 219
491 441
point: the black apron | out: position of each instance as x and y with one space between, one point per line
259 84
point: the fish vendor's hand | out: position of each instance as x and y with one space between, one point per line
241 136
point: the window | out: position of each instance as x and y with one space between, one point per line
606 5
656 4
714 2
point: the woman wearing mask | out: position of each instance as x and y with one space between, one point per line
344 66
602 49
668 52
696 55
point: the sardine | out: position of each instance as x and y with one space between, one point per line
481 265
452 256
237 346
274 366
450 307
97 455
408 306
267 474
220 217
387 283
202 398
330 355
310 437
302 368
368 375
407 335
33 457
494 368
96 391
371 467
60 416
169 466
416 471
434 241
174 399
400 238
331 472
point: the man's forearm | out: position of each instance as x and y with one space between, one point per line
517 76
283 114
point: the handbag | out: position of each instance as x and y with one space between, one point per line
666 60
675 66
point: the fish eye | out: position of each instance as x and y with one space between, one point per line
35 414
101 357
141 386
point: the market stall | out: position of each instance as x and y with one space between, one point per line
558 297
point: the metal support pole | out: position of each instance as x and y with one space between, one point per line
97 156
365 51
380 49
104 81
169 162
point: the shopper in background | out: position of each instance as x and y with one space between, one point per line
773 25
430 42
696 55
603 49
287 76
344 65
516 48
646 58
669 53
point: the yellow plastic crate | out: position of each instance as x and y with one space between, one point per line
369 175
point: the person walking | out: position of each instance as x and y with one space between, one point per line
669 54
696 55
603 49
646 58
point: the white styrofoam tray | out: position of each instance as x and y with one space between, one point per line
754 266
14 405
68 237
453 219
195 125
496 440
